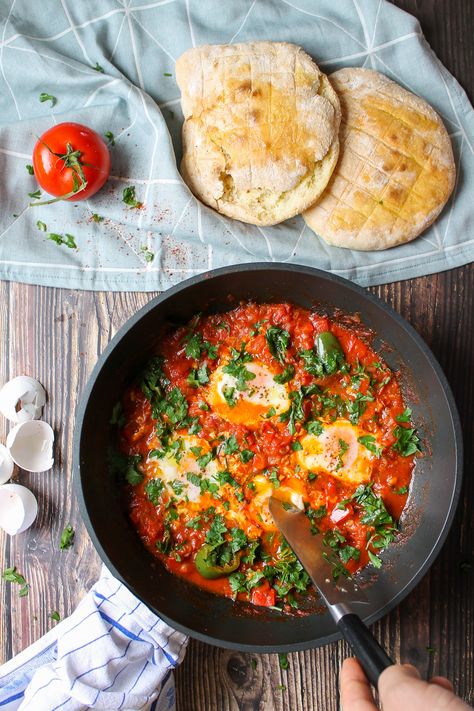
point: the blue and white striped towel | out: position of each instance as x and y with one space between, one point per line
111 653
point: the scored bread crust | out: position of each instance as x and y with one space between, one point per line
260 137
396 169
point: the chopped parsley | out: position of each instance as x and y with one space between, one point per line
343 447
314 427
68 239
54 615
230 445
286 376
110 137
11 575
67 538
273 477
98 68
407 441
128 197
257 326
97 218
36 195
30 170
47 97
370 443
277 340
283 660
41 226
246 455
125 467
405 415
402 490
198 376
357 407
315 515
236 368
154 489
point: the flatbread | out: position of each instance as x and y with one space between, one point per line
260 138
396 168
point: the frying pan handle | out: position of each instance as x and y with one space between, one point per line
368 651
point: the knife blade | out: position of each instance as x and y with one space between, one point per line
295 526
338 596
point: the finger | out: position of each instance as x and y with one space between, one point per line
442 681
413 671
356 694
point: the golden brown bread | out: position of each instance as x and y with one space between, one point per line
396 169
260 138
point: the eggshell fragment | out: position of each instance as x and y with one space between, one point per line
18 508
22 399
31 445
6 464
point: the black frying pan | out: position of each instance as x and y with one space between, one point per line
433 497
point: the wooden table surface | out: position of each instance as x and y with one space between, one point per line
57 334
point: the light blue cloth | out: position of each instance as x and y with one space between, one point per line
53 45
111 653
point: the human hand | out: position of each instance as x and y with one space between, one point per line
400 687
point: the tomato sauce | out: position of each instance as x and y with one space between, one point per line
242 404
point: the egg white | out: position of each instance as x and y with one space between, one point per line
323 452
171 468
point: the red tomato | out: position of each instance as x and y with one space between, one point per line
264 596
71 161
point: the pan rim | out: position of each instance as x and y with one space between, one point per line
401 322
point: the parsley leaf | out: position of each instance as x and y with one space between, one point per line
230 445
405 416
283 660
277 340
407 441
67 538
343 447
55 616
370 443
128 197
314 427
47 97
286 376
273 477
246 455
198 376
357 407
154 489
236 368
68 240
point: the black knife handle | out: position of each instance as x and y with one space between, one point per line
368 651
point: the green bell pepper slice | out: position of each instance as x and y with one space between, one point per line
208 565
330 352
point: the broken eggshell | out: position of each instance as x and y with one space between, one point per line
22 399
6 464
18 508
31 446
